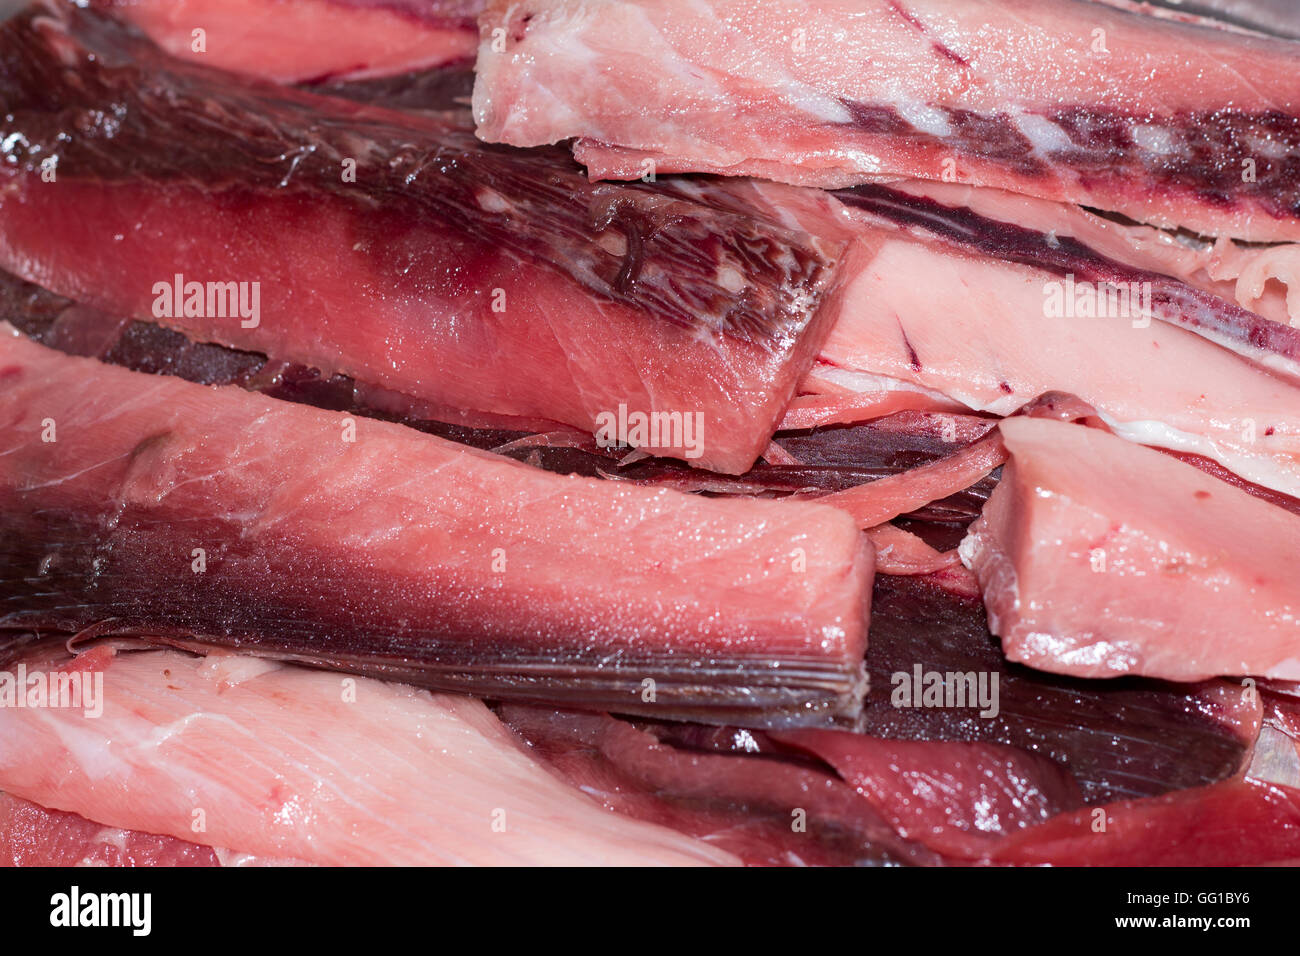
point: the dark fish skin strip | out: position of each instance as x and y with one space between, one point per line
445 88
1121 739
1171 300
1211 145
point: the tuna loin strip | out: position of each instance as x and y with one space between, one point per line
830 459
886 498
215 516
466 276
1168 123
1097 558
286 764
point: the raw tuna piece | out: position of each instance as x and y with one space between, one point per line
1053 246
956 798
827 459
452 568
918 309
727 786
778 798
901 552
31 835
1120 739
464 276
815 411
1098 557
289 762
1239 822
1163 122
299 40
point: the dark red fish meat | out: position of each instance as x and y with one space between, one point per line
1240 822
398 249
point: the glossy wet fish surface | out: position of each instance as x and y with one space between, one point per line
627 433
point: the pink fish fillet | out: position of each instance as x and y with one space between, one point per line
284 761
1169 123
1098 558
292 42
969 306
901 552
141 503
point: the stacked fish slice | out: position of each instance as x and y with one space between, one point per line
634 433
